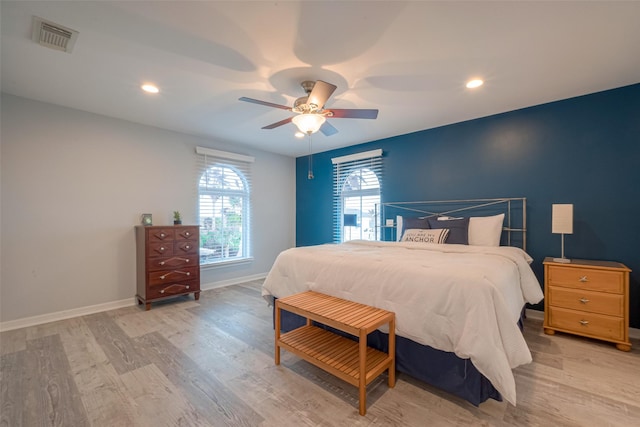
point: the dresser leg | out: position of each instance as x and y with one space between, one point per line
549 331
623 347
196 295
147 306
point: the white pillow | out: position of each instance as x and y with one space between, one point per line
425 235
485 230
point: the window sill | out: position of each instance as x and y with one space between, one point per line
226 263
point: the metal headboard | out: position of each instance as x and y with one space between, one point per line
516 223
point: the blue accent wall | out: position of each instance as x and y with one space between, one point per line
583 150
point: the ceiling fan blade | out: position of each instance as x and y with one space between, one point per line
320 93
265 103
280 123
327 129
353 113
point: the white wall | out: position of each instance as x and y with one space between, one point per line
73 185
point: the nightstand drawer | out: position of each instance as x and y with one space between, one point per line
586 278
589 324
593 302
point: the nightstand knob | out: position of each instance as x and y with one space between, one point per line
187 286
162 291
583 279
584 300
187 233
584 322
161 234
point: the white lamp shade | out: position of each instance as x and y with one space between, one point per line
562 219
308 123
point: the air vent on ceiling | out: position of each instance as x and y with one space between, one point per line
52 35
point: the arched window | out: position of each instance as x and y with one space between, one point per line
224 213
359 195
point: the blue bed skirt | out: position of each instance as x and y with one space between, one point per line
438 368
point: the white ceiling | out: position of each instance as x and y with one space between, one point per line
410 60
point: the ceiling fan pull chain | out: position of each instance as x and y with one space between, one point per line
310 174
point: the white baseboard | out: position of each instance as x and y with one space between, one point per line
229 282
83 311
65 314
539 315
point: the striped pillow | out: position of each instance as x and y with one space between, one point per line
425 235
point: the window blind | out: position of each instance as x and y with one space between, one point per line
223 183
357 185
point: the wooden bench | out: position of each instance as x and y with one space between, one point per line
349 360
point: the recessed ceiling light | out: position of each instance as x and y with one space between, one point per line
299 134
147 87
472 84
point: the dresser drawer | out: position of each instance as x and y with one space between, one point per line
186 247
173 275
589 324
593 302
172 262
172 289
586 278
160 234
187 233
160 249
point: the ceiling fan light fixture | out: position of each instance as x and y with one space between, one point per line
472 84
150 88
309 123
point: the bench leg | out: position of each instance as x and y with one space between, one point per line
363 373
277 336
392 353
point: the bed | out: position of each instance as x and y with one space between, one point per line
458 305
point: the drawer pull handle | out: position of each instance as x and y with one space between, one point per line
187 286
583 279
161 248
584 300
161 234
188 247
584 322
187 234
162 291
185 260
186 273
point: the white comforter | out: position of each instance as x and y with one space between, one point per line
455 298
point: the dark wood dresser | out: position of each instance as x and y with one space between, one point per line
168 262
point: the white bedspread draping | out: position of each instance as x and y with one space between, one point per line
455 298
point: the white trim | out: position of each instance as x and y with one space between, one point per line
83 311
226 263
224 154
65 314
230 282
357 156
535 314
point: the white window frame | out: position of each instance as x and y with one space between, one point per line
344 167
239 165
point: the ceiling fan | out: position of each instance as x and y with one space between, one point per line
311 114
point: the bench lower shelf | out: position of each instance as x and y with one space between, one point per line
335 354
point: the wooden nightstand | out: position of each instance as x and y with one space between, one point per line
588 298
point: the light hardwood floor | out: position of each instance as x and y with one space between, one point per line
210 363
